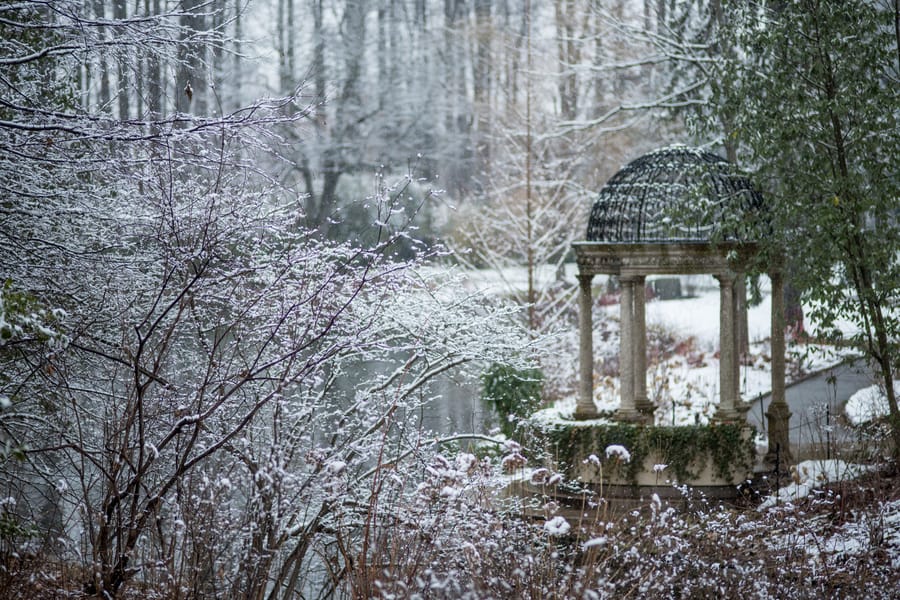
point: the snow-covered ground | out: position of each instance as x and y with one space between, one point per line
822 536
699 316
869 404
812 474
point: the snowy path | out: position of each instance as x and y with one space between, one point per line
811 401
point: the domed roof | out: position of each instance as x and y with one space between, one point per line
676 194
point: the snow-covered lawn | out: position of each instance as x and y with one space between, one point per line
869 404
811 474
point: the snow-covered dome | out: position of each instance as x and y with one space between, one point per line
676 194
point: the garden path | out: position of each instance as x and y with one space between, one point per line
817 403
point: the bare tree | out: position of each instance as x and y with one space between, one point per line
193 410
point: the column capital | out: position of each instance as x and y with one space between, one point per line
776 262
725 278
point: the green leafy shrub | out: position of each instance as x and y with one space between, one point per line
513 393
15 534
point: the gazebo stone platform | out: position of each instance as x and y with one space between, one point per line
713 461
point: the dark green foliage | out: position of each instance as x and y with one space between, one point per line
27 328
514 393
23 318
813 102
14 532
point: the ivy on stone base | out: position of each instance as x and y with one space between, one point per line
685 450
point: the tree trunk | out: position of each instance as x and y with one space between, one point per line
569 58
482 81
318 62
119 12
793 311
237 77
154 79
285 45
190 93
103 97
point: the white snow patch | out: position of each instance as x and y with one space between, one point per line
592 459
761 443
597 541
618 452
810 474
466 462
336 467
449 492
868 404
557 526
152 449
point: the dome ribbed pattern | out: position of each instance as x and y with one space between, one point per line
676 194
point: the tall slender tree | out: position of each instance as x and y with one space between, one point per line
815 106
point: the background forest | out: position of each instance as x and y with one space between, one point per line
231 234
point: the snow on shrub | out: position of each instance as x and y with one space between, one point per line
557 526
618 452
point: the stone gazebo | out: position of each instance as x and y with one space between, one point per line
677 210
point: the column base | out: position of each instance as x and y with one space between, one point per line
733 414
584 413
631 415
778 420
644 406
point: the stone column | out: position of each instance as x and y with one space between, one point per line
627 409
743 336
727 402
639 341
737 300
779 414
585 407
